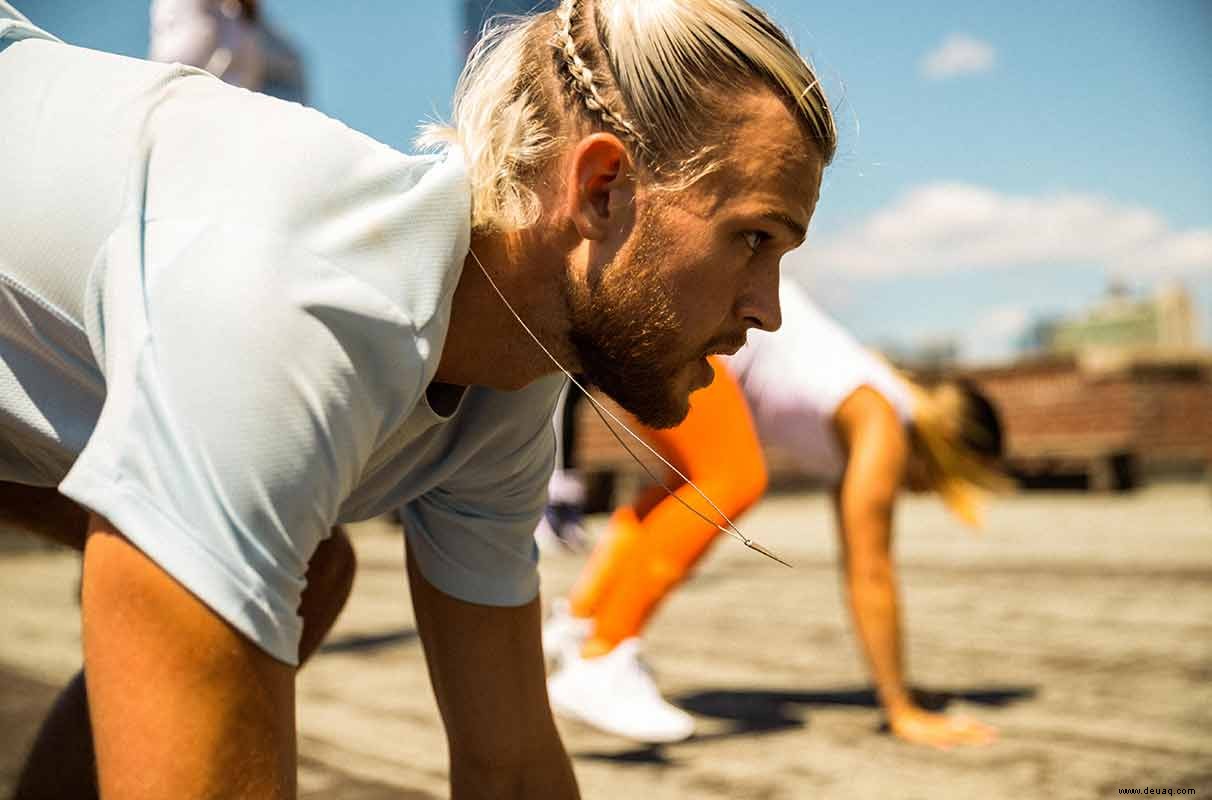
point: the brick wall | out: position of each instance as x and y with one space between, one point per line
1158 411
1058 414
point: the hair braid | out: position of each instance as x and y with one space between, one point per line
579 77
662 75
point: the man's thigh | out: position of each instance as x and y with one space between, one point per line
41 510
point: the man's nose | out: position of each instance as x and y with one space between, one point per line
759 305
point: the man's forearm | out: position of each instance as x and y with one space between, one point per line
548 774
486 667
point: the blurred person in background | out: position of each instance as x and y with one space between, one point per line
848 419
231 40
562 527
231 323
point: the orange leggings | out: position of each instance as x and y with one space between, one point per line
652 545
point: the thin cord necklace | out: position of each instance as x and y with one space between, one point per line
603 412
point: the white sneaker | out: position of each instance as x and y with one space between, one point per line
615 693
563 634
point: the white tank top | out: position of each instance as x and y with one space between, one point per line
796 378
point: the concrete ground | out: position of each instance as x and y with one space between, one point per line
1079 625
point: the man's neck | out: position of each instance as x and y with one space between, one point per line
485 345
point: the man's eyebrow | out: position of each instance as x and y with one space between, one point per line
779 218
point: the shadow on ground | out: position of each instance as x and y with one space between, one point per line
23 703
369 642
761 711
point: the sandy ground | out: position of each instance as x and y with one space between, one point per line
1080 625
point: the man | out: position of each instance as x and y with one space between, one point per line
230 323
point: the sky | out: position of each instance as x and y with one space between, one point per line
999 162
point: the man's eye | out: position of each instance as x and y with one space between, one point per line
755 239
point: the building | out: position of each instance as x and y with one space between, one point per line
1100 422
1105 420
1123 322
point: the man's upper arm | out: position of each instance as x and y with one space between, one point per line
496 648
241 402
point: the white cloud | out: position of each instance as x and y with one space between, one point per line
959 54
947 227
995 336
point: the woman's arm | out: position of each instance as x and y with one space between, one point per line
877 449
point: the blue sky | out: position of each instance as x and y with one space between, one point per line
998 162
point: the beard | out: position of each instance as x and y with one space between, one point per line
626 334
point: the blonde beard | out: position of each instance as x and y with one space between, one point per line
625 331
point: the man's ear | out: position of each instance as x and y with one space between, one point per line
601 186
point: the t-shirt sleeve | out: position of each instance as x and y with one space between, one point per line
247 382
473 536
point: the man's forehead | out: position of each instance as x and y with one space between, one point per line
787 177
768 152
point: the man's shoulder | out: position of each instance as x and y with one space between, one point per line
399 223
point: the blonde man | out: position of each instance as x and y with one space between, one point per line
230 323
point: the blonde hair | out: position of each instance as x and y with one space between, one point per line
956 442
653 72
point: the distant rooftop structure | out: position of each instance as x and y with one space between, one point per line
1126 322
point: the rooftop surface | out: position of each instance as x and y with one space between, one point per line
1080 625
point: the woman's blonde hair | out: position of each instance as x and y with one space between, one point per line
657 73
957 434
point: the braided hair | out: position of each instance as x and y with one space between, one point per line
659 74
580 80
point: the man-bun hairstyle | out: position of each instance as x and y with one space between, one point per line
656 73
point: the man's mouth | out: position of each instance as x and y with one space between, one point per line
725 348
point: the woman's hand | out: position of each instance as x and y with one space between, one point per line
941 731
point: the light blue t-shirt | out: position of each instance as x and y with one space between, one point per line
220 314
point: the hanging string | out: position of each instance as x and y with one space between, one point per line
603 412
